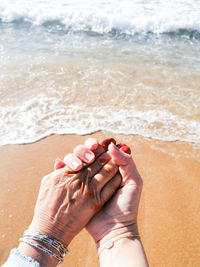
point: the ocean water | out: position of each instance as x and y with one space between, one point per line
128 67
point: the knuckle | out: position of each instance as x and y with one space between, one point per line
97 206
94 183
88 192
108 167
103 159
78 148
68 157
91 143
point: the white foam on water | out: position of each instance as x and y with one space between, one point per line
80 98
42 116
101 16
36 100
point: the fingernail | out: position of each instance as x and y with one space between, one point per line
126 149
91 144
59 164
75 164
105 143
113 145
89 156
57 160
123 147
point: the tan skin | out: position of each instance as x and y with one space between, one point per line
86 192
121 211
68 200
118 218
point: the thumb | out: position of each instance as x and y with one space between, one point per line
119 157
126 165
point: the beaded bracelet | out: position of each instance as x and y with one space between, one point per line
37 245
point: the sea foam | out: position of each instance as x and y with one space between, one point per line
62 72
126 17
44 116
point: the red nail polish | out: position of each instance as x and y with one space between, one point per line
106 142
59 164
123 147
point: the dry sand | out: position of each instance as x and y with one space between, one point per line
169 214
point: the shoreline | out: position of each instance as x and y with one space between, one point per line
169 213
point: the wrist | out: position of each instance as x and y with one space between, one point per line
107 241
42 248
63 236
37 255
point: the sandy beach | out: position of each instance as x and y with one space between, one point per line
128 70
169 213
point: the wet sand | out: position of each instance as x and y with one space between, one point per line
169 214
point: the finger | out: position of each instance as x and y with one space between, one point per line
106 142
91 143
84 154
126 165
123 147
110 188
90 186
72 162
106 173
97 152
96 175
119 157
103 146
91 150
58 164
97 165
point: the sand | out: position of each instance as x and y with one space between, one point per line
169 213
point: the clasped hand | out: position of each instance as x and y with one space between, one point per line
80 186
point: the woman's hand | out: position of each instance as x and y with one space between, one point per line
79 187
67 200
119 214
